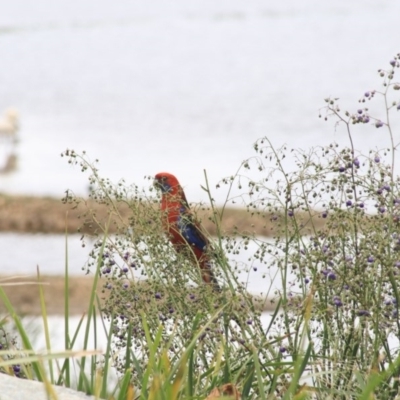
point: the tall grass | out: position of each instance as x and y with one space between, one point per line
335 331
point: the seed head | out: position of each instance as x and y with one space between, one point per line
332 276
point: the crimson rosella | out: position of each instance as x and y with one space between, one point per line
183 231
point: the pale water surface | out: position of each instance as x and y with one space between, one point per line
181 86
23 253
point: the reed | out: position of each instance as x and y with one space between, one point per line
335 330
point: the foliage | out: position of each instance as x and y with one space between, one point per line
339 300
334 332
350 268
146 277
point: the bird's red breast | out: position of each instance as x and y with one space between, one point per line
173 200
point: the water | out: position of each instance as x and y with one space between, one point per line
48 252
181 86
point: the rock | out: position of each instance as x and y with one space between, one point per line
12 388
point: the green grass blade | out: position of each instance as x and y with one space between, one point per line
24 337
70 347
107 357
375 379
45 324
259 376
125 388
248 381
300 366
190 376
66 368
91 308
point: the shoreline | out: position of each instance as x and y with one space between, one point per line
47 215
23 294
29 214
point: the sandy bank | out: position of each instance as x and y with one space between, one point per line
49 215
23 293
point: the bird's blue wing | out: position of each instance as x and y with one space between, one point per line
190 231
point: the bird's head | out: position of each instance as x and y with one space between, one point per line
167 183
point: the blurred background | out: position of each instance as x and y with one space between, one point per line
179 86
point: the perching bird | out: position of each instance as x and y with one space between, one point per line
184 232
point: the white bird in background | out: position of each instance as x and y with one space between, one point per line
9 124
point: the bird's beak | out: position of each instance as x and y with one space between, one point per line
157 184
160 184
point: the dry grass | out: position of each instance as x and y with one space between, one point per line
49 215
23 293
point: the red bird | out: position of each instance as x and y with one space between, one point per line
184 232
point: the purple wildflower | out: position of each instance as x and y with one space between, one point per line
17 368
337 302
332 276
